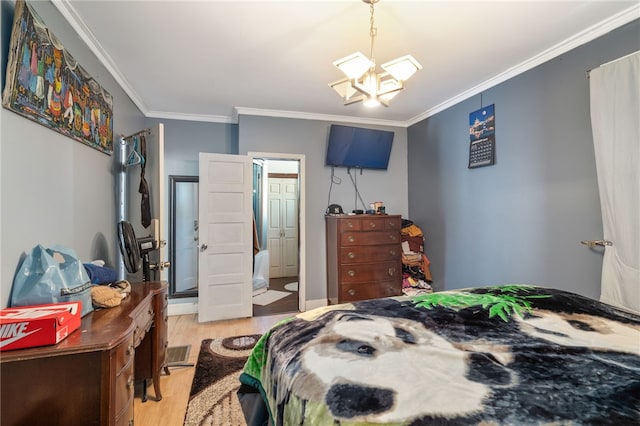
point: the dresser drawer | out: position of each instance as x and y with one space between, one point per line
360 254
349 224
351 292
369 238
364 272
380 223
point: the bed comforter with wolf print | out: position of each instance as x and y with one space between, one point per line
511 354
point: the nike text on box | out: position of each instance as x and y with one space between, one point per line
38 325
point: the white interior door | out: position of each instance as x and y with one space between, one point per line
283 227
615 108
154 175
274 229
225 216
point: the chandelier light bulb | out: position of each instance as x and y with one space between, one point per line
363 83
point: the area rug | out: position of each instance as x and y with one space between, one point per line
269 297
291 286
213 399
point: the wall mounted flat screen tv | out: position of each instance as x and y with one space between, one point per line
358 147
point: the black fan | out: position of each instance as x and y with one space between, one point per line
129 247
133 249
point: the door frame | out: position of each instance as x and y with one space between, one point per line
302 264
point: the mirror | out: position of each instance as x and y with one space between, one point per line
183 236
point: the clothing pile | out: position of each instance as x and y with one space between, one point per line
416 275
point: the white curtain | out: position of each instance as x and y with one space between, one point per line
615 121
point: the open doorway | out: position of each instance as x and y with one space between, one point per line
279 230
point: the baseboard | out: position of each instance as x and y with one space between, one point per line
191 307
182 308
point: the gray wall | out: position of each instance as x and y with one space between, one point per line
309 138
185 139
521 220
55 190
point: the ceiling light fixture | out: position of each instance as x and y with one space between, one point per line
363 83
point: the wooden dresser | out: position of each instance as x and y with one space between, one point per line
364 257
88 378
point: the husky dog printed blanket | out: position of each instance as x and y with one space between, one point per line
519 355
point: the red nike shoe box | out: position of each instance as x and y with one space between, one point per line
38 325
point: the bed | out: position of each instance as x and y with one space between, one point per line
512 354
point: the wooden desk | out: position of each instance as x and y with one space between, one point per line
88 378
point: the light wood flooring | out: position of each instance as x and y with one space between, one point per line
185 330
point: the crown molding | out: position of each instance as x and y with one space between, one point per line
310 116
69 13
191 117
595 31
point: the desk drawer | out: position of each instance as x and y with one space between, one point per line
124 390
143 321
124 355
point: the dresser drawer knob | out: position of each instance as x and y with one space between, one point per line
372 224
392 224
392 252
349 225
351 255
351 292
351 239
391 271
351 273
392 237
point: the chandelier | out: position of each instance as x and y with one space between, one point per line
363 83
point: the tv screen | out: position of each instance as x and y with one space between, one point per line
358 147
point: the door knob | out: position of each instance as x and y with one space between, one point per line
159 265
203 247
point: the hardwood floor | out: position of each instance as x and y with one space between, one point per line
185 330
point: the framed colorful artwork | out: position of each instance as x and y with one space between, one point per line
44 83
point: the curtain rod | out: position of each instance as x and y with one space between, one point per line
588 72
145 131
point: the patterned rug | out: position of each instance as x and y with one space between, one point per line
213 400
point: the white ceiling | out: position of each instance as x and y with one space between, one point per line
209 60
